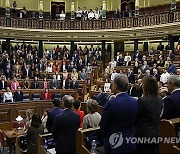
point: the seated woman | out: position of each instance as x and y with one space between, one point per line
33 132
93 118
8 97
46 95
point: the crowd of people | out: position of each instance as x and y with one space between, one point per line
160 65
79 14
134 101
123 115
57 69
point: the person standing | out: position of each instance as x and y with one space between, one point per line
52 114
118 118
148 116
33 132
77 107
172 102
18 95
65 128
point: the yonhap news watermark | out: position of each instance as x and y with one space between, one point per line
117 139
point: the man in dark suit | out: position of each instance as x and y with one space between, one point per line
168 47
65 128
101 98
171 55
8 72
52 114
18 95
120 60
27 72
172 68
65 83
131 76
41 67
138 55
172 102
54 83
118 119
3 82
144 67
160 47
74 84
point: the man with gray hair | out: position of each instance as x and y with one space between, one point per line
118 118
172 102
65 128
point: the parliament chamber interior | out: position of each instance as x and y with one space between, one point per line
90 77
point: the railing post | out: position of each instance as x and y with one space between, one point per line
8 19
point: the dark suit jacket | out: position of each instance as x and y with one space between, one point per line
148 116
172 68
64 131
101 99
135 70
131 77
160 47
32 139
55 84
41 68
138 55
74 86
144 68
118 117
25 73
35 85
1 85
18 97
120 61
51 117
157 76
8 74
172 106
66 84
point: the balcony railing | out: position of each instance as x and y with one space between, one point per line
150 20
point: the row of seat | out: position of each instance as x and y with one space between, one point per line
36 97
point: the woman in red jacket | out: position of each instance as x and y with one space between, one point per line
46 95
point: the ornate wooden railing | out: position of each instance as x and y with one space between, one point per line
150 20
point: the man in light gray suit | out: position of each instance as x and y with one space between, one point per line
54 83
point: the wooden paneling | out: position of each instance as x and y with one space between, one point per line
9 112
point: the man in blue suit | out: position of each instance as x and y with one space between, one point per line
65 128
171 68
118 119
52 114
74 84
172 102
